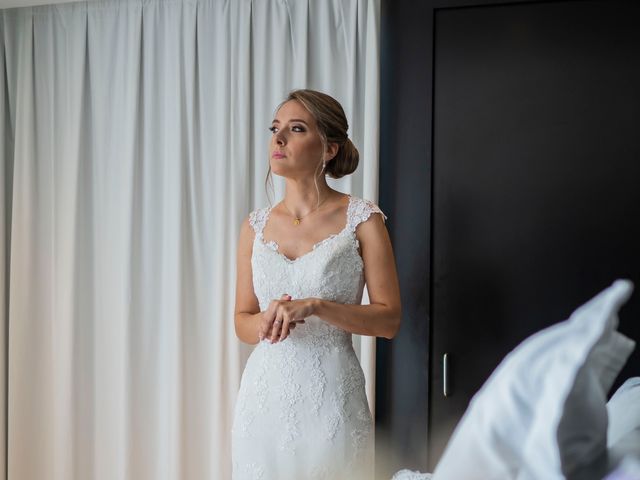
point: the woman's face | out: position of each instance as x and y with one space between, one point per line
295 149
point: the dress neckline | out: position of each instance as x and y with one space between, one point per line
273 245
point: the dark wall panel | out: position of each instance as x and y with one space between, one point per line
531 226
402 364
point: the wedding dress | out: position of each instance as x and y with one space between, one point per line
301 411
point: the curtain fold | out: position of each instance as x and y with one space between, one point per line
134 143
6 176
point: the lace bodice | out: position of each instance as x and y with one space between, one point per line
332 270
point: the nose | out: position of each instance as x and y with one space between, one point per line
280 139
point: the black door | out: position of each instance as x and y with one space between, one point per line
535 180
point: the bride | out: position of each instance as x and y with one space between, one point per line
302 411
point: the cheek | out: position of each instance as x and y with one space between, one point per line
312 149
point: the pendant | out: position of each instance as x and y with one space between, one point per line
296 221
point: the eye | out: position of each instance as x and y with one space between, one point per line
273 129
297 128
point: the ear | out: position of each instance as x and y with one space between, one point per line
332 151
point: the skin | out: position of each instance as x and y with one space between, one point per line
295 135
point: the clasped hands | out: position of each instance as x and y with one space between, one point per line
282 316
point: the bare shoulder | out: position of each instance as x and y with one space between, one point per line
246 229
372 230
247 234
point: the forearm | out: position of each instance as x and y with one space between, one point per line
376 320
247 327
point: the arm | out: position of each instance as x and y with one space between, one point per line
247 316
382 317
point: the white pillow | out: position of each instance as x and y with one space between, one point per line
542 412
629 469
624 410
623 434
410 475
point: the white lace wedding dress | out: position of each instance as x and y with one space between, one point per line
302 411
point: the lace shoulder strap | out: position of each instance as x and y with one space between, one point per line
359 211
258 219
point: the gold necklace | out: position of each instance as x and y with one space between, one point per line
297 220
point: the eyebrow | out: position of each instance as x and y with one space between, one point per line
292 120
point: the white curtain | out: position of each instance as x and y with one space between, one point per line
134 143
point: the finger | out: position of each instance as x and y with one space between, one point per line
275 333
261 333
290 327
285 327
276 326
265 326
261 329
268 318
293 325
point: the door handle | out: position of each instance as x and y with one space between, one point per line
445 375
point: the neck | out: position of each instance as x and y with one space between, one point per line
301 195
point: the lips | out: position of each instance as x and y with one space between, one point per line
278 155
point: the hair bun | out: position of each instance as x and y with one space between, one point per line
345 162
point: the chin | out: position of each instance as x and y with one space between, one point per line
279 170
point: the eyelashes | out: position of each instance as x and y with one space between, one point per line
295 128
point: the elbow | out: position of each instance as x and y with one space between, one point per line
237 327
393 331
242 335
393 326
248 341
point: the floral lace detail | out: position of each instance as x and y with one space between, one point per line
247 413
317 384
360 211
258 219
320 472
350 380
361 436
290 395
302 402
248 471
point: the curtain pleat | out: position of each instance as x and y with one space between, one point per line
134 143
6 182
